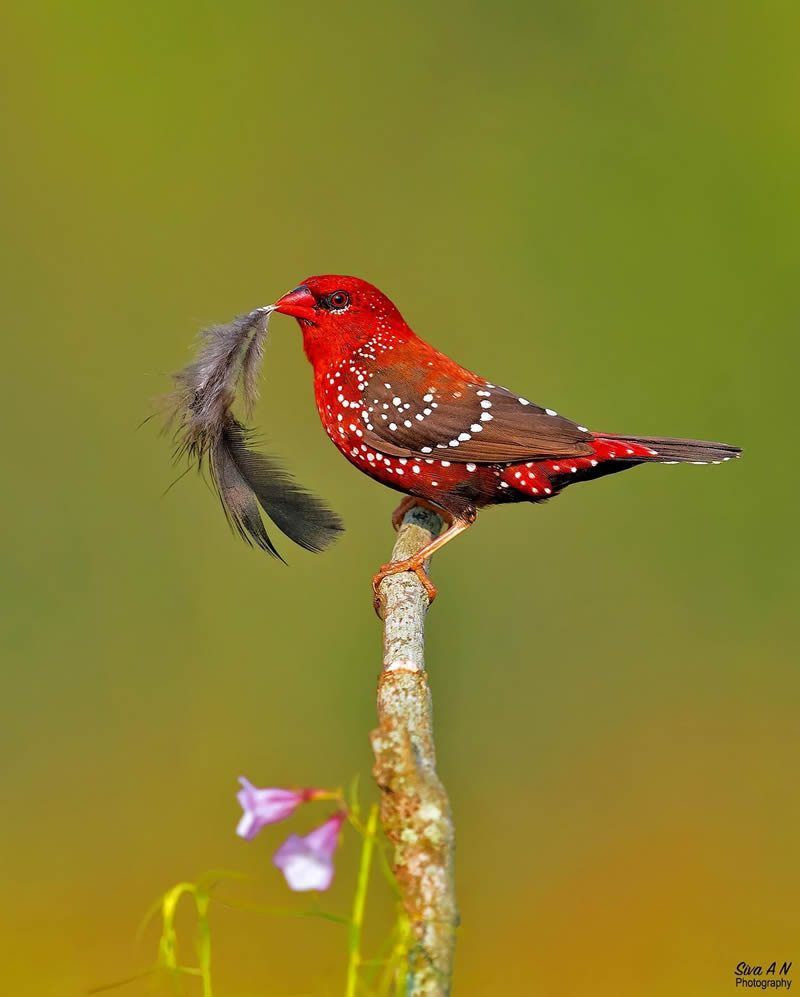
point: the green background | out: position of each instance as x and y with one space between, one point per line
593 203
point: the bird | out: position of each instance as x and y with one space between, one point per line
409 417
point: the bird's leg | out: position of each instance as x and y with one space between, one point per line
417 563
411 502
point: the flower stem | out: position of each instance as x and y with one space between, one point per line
359 903
201 900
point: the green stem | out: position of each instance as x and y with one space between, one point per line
201 900
359 903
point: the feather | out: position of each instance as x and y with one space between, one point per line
244 475
681 451
251 366
200 410
514 430
205 389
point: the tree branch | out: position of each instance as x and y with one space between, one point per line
415 810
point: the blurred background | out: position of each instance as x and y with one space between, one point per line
595 204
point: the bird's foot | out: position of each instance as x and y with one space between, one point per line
411 502
415 564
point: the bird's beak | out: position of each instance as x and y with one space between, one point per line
299 303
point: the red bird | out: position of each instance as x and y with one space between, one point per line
413 419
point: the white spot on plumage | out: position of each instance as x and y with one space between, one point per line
445 463
523 401
464 437
550 411
486 417
393 426
427 398
471 467
485 404
427 449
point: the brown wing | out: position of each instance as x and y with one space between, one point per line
470 421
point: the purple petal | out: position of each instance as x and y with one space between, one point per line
324 839
307 862
264 806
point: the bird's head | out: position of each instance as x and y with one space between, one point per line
338 314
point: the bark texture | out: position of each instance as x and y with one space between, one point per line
415 810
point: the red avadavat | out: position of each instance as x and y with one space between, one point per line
413 419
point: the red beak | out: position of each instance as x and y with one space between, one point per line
299 303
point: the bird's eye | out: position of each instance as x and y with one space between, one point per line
340 300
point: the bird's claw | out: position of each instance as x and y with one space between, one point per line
399 513
397 568
412 502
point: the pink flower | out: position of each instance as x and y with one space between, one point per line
307 862
266 806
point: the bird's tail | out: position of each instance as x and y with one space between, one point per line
665 450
